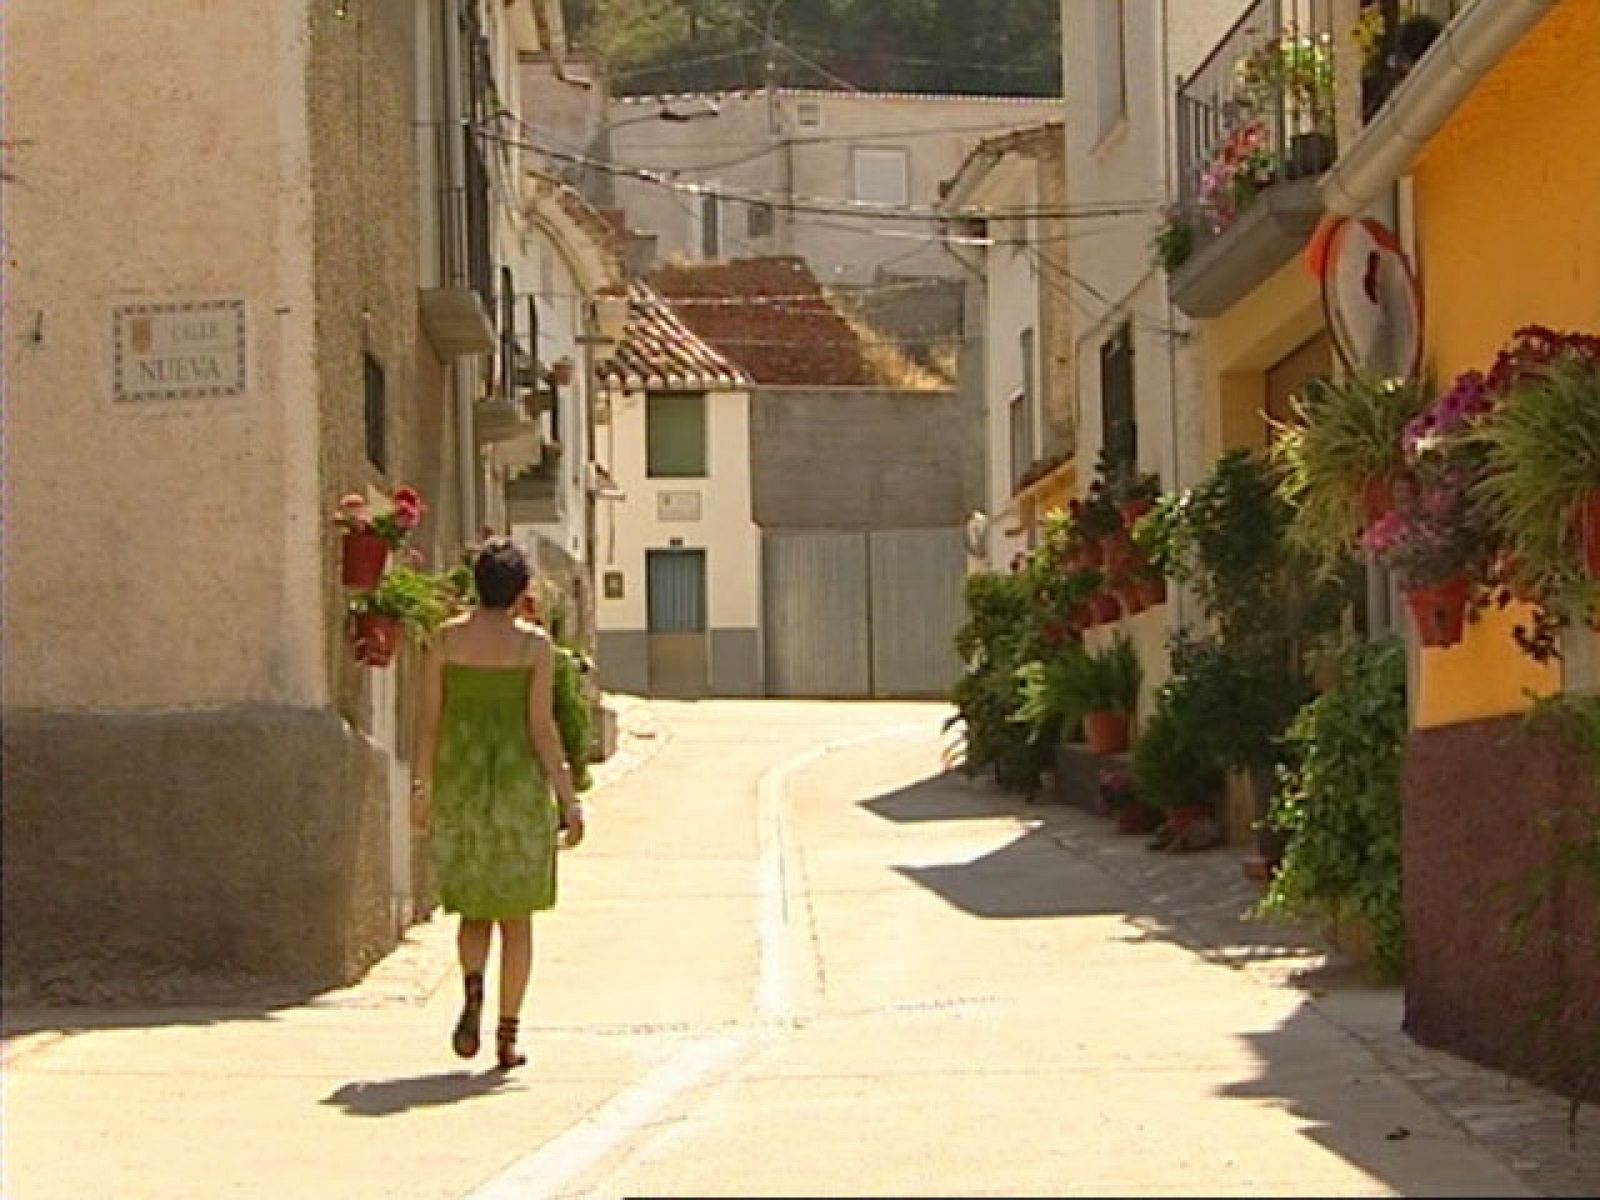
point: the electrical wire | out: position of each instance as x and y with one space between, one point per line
826 206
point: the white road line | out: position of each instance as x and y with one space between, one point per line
557 1164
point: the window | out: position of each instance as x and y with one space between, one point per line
710 225
1111 49
758 220
810 114
376 415
881 176
1030 368
1021 439
1118 432
675 435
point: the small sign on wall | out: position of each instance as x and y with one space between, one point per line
192 350
612 583
677 506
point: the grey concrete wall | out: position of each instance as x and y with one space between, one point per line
249 840
736 662
624 660
864 458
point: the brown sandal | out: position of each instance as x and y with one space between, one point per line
465 1040
505 1045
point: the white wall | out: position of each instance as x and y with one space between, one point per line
730 538
739 149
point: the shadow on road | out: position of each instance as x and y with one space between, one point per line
387 1097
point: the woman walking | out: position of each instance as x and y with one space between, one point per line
488 755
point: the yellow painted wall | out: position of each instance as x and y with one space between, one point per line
1243 343
1508 217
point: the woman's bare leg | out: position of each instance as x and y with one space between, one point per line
516 964
472 947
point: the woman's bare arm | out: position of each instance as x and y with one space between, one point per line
425 743
547 739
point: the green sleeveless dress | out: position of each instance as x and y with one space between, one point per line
495 822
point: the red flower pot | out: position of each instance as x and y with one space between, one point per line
1132 510
1587 519
1152 590
1131 599
1182 819
365 556
1440 612
1135 816
1377 498
375 639
1104 607
1106 732
1087 556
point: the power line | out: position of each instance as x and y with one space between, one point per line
826 206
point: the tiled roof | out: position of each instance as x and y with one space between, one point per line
769 315
659 352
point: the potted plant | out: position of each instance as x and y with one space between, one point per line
370 536
1114 788
1438 543
1340 458
1245 165
1175 768
1542 476
1174 240
562 372
406 597
1104 687
1290 77
1155 536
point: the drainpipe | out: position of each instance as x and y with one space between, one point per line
1470 46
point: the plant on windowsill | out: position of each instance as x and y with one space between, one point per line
371 535
1155 537
1340 457
405 598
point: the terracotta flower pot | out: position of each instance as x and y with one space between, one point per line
365 556
1440 612
1183 818
1587 520
1087 556
375 639
1152 590
1104 607
1135 816
1132 510
1377 499
1106 732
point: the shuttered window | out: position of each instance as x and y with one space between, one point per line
881 176
675 435
1111 48
1119 432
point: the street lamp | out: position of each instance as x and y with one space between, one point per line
597 181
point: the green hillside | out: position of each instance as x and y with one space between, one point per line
1000 47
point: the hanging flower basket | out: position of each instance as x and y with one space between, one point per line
365 556
375 639
1587 521
1106 732
1440 612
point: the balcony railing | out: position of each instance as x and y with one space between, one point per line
1258 111
464 213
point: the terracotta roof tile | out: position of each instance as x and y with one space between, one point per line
659 352
799 338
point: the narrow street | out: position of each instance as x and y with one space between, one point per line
795 957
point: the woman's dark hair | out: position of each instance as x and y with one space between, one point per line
501 573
